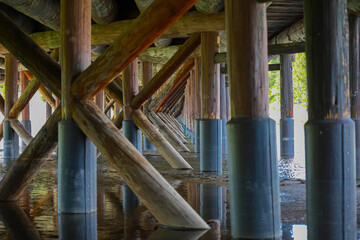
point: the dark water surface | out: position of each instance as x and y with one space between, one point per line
35 215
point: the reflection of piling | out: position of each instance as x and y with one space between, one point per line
16 222
78 226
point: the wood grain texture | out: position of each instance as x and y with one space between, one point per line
11 82
168 207
75 35
31 159
24 82
147 74
354 64
286 86
130 87
104 11
327 71
210 78
36 61
166 149
24 99
21 131
168 134
140 34
247 58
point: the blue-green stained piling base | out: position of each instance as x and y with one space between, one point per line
76 170
224 144
254 179
330 179
78 226
130 200
287 138
357 146
210 145
132 133
211 202
147 144
197 135
193 137
11 142
27 125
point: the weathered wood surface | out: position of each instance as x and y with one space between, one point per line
168 134
167 150
42 90
11 82
162 55
75 35
140 34
130 87
328 85
172 129
173 98
354 64
37 61
18 176
210 6
24 98
166 71
143 5
168 207
173 85
99 100
248 75
46 12
24 82
192 22
147 75
2 105
21 131
354 6
210 75
104 11
109 106
286 86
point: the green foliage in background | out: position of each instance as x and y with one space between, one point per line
299 81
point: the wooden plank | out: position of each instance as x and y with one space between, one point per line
168 207
167 70
130 87
286 86
140 34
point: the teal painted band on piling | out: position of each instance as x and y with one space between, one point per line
287 138
78 226
132 133
76 170
10 143
27 125
197 135
254 179
330 179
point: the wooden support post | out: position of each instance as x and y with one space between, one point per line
124 49
197 103
21 130
11 139
130 89
173 130
354 76
223 110
329 133
155 192
25 114
210 123
147 74
286 98
77 155
254 181
99 99
48 110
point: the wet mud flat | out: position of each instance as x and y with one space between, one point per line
36 216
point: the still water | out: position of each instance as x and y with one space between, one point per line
121 215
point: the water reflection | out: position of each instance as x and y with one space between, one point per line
17 222
78 226
165 233
294 232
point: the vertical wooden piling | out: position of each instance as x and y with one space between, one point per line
77 155
210 123
25 113
286 99
254 182
329 133
354 67
11 139
197 103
